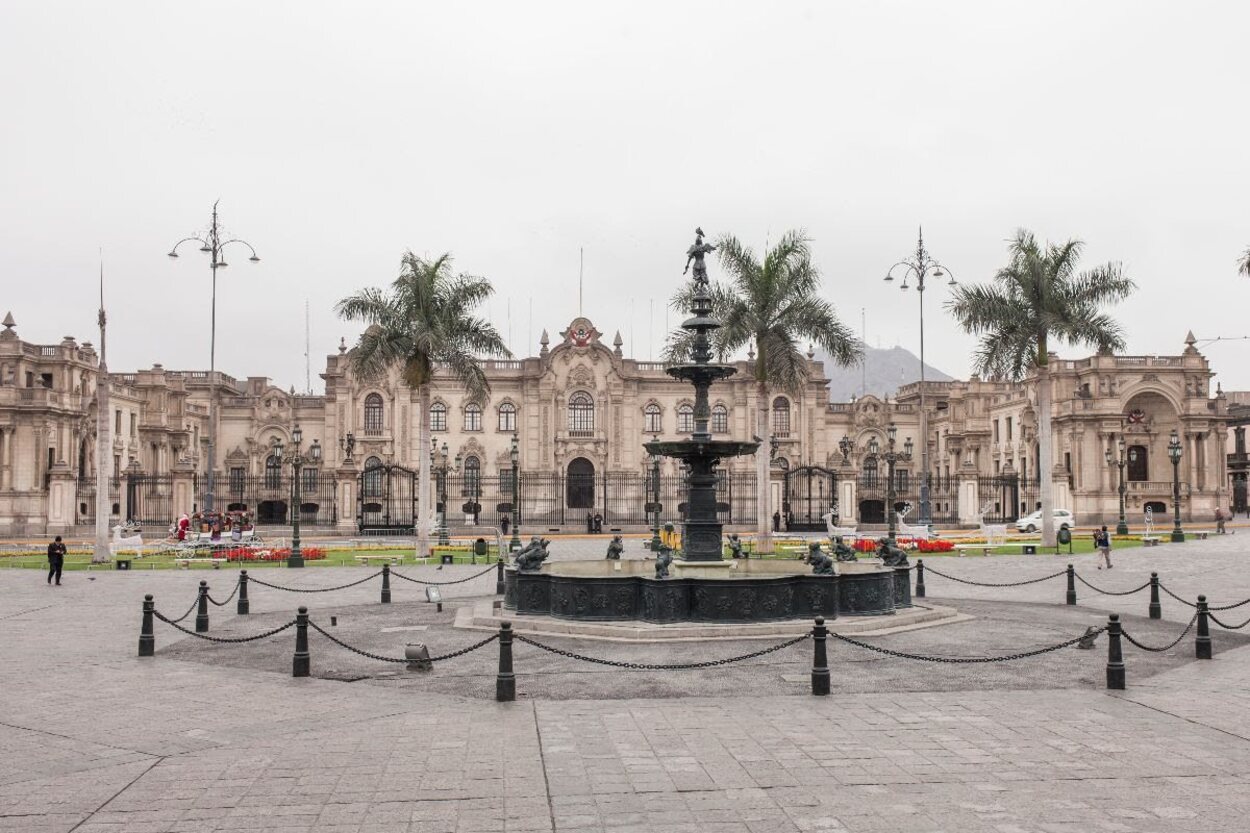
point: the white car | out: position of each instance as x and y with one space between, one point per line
1032 523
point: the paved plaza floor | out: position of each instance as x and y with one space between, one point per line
93 738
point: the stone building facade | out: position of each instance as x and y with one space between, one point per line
580 410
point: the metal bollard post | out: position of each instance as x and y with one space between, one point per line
505 681
919 579
201 615
386 584
1202 645
1115 653
244 606
147 640
820 660
301 665
499 576
1156 609
1071 585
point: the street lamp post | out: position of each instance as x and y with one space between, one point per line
297 461
1174 454
441 466
515 544
891 457
1121 528
919 267
347 444
212 245
655 503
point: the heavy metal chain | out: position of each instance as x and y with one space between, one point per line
1167 647
443 583
1164 588
190 610
1229 627
228 598
966 660
680 666
313 590
1111 592
1230 607
381 658
928 569
1233 606
224 639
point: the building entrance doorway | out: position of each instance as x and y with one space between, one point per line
580 484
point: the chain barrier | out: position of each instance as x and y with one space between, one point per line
929 569
223 639
489 569
680 666
1211 616
255 580
379 657
1167 647
1164 588
965 660
233 593
190 610
1230 607
1111 592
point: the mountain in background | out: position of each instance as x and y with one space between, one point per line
884 371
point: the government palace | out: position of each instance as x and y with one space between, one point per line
561 438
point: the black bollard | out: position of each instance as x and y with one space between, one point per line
201 615
386 584
1115 654
820 659
147 639
1071 585
919 580
301 665
244 607
499 576
505 681
1202 645
1156 609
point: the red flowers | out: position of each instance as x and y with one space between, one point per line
270 554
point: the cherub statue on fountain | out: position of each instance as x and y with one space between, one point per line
662 561
615 547
735 546
531 557
822 564
842 552
890 555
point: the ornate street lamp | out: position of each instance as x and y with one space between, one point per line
919 267
1121 528
297 461
441 467
347 444
515 454
845 445
212 245
655 503
891 457
1174 454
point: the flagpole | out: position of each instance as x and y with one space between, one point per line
103 507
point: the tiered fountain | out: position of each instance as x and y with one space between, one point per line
701 585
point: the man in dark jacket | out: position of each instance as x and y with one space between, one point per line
56 560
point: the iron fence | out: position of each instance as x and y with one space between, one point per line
1006 498
268 497
86 491
150 499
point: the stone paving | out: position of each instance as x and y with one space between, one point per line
93 738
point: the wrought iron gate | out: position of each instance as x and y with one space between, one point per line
387 502
810 493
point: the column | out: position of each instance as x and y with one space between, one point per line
346 480
183 476
62 495
969 509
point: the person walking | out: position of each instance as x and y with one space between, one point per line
1220 519
56 560
505 524
1102 543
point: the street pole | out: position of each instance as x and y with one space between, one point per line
655 503
1174 452
515 544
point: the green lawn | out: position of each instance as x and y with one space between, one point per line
334 558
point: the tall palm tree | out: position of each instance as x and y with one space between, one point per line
1036 299
774 303
1243 265
425 321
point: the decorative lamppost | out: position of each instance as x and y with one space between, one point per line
1121 528
845 445
515 454
439 462
891 457
347 444
212 245
655 503
297 461
921 266
1174 454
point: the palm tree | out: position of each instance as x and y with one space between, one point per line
1243 265
1037 298
426 321
773 303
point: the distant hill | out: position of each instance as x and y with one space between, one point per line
885 370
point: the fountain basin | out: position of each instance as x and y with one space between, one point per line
749 590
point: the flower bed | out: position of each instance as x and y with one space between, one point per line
264 554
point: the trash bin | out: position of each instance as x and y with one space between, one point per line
479 546
1065 537
448 558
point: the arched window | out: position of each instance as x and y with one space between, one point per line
373 414
685 419
781 417
870 472
273 471
472 476
438 417
507 417
720 420
473 417
581 415
653 419
372 485
781 463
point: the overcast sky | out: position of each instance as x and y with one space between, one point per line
337 135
